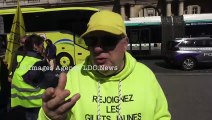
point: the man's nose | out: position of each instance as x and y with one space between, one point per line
98 48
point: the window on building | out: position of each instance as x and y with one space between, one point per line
150 12
194 10
11 2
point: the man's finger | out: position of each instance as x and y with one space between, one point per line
67 105
62 81
48 94
58 100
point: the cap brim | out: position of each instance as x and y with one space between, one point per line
107 29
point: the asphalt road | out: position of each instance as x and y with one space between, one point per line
189 96
188 92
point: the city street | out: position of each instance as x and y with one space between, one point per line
39 39
188 92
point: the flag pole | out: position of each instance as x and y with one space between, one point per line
13 39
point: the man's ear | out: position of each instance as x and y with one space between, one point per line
126 43
34 47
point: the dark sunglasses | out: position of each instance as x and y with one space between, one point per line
104 41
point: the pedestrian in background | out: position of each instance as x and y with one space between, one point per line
116 88
22 42
19 53
51 51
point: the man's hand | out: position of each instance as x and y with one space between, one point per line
54 104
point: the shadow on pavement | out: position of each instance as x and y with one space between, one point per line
165 65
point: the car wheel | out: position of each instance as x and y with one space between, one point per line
188 63
64 60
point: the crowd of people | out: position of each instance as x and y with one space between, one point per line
119 89
27 81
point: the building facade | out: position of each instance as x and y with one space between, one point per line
128 8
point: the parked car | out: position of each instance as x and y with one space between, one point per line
189 52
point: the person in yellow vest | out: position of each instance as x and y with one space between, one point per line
110 84
29 78
19 53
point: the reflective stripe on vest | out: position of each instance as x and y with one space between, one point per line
22 93
26 98
25 89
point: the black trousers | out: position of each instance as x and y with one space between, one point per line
21 113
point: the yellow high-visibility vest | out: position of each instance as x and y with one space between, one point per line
23 94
